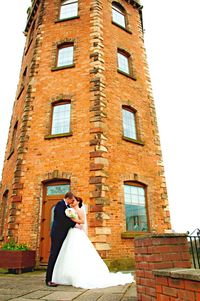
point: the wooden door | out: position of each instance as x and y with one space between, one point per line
53 193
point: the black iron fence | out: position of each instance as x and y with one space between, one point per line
194 241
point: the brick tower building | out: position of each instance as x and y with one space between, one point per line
84 120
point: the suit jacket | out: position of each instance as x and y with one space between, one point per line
61 222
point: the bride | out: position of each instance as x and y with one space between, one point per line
78 263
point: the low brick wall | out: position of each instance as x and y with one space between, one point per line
173 284
155 252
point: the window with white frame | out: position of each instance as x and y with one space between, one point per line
118 14
123 62
135 207
68 9
65 55
61 118
129 123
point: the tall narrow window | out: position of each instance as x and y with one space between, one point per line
14 137
118 14
31 33
65 56
135 207
68 9
123 62
23 81
24 75
61 118
3 211
129 123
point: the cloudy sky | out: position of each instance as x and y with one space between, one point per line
173 52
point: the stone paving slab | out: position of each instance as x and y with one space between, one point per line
131 291
37 294
23 299
14 291
89 296
67 296
111 297
31 287
5 297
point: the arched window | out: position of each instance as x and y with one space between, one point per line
135 207
3 211
61 112
129 123
118 14
68 9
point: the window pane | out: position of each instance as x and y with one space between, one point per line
118 17
123 63
129 126
65 56
61 119
58 189
68 9
136 216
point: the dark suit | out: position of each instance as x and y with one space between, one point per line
59 230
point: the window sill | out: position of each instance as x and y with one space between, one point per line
58 135
62 67
123 28
126 74
67 19
133 140
11 152
132 234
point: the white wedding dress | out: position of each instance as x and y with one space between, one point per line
79 264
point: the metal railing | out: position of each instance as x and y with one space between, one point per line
194 240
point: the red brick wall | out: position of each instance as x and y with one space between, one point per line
156 252
176 286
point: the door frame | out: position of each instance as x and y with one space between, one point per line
44 223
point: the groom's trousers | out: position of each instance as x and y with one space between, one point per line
56 244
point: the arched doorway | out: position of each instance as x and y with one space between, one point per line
52 193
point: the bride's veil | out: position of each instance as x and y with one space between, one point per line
85 225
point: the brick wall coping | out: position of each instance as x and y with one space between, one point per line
161 235
188 274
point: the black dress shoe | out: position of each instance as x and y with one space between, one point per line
50 283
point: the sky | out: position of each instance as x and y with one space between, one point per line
173 53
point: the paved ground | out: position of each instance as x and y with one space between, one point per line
31 287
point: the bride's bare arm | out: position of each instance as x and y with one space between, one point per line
80 219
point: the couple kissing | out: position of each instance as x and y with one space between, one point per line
73 259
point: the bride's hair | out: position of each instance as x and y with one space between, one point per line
80 201
80 204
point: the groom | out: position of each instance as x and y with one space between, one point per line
59 230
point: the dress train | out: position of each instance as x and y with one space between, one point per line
79 264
